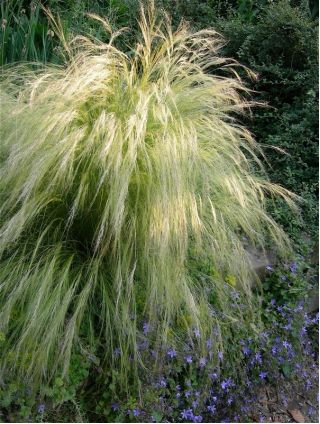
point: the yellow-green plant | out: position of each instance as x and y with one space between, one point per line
117 171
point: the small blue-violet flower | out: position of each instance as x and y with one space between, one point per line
188 359
146 328
172 353
41 408
262 375
202 362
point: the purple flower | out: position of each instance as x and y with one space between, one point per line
209 343
41 408
197 419
136 412
246 350
286 344
245 408
220 355
230 400
162 382
213 376
187 414
202 362
284 400
187 393
142 345
293 267
115 406
172 353
235 295
257 357
196 332
262 375
195 404
312 410
146 328
212 409
307 319
308 384
248 383
188 359
117 351
298 308
226 383
264 334
269 268
262 418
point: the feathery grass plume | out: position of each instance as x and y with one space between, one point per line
118 172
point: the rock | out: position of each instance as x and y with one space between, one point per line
260 259
296 415
312 302
314 257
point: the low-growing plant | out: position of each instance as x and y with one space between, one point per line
281 45
19 402
288 283
116 170
188 387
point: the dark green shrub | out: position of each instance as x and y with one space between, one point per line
281 45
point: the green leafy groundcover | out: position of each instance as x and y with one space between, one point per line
187 388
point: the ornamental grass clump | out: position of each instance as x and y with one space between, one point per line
119 172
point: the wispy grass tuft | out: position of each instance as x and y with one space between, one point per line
118 173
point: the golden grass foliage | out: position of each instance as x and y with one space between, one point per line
116 169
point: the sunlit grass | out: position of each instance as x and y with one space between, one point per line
117 170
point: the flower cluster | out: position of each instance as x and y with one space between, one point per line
202 386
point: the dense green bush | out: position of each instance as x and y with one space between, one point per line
281 45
